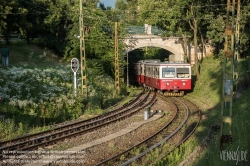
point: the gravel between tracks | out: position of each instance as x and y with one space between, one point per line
97 153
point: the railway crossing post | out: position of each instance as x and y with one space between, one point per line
230 74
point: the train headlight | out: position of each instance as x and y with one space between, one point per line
184 83
167 83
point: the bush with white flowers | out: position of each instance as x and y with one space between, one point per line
36 97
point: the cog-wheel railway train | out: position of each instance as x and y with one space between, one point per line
170 79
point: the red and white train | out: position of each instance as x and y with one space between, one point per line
171 79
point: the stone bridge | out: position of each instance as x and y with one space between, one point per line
149 36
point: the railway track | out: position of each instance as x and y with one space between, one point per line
185 113
168 145
213 130
174 133
59 133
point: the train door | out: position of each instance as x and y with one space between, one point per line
156 76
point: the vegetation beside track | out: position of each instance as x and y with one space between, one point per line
21 120
241 113
208 90
37 91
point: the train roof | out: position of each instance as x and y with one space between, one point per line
168 64
150 61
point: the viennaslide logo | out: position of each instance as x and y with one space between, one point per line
231 155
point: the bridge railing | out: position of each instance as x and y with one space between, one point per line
146 29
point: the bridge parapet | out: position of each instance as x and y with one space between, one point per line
171 44
145 30
150 36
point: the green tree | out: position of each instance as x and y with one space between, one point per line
5 9
244 28
8 19
31 22
57 24
181 18
129 11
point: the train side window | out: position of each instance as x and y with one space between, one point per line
182 72
149 71
156 73
168 72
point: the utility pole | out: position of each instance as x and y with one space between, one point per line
82 53
237 33
230 75
117 81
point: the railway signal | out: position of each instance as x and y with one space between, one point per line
74 64
75 67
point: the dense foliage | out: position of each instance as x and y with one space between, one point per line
35 97
180 16
40 92
203 22
56 23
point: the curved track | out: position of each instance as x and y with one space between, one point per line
182 117
32 142
174 132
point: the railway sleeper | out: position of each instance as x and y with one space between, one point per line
174 94
168 133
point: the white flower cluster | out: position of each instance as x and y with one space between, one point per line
22 103
23 87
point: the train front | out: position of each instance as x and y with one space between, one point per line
175 79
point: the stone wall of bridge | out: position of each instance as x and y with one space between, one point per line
173 44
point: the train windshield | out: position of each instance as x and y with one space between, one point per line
168 72
182 72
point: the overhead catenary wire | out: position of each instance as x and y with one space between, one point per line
117 10
205 17
35 5
98 18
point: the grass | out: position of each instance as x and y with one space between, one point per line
241 114
34 54
208 89
241 137
37 91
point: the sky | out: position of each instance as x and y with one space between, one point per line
108 3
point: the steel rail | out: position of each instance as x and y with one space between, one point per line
61 135
113 158
163 140
185 139
55 134
59 128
